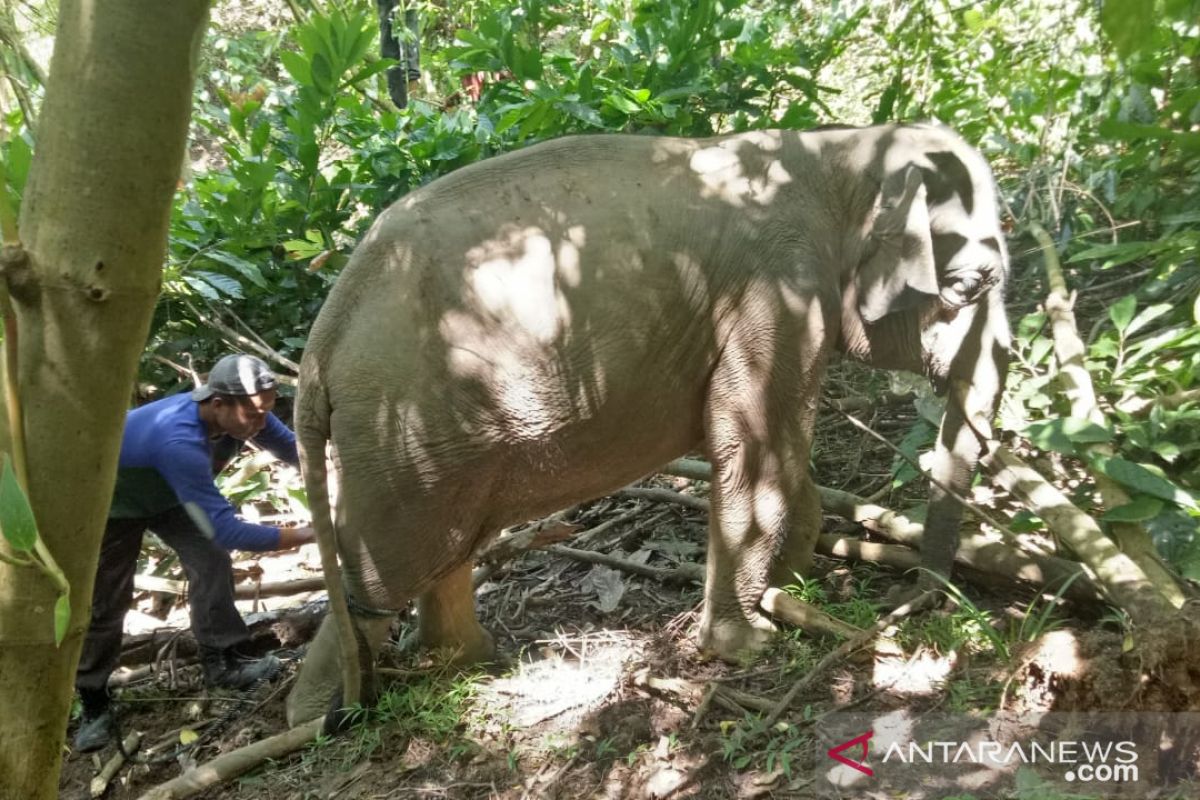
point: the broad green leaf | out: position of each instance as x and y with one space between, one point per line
1139 478
20 155
322 74
1139 509
222 283
1031 325
1063 433
17 522
1121 312
248 269
260 137
584 113
1148 315
297 67
62 617
1129 24
201 287
1117 254
375 67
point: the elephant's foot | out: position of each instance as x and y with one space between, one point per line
320 677
446 620
734 638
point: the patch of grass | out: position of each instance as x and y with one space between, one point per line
747 743
968 695
807 590
858 611
431 707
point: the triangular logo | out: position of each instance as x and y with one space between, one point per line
858 741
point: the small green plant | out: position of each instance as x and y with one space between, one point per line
605 749
857 611
807 590
748 742
970 696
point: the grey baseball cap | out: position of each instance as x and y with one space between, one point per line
240 375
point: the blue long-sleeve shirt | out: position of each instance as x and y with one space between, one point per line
168 459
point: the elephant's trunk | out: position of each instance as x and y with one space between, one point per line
976 382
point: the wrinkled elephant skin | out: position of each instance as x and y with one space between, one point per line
546 326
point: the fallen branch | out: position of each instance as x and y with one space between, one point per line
664 496
1122 579
536 537
104 777
982 561
1132 538
811 619
236 762
843 650
684 573
693 692
984 554
690 468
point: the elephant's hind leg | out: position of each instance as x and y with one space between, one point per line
446 619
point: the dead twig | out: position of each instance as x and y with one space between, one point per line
103 778
664 496
842 651
236 762
684 573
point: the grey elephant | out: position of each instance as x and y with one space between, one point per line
546 326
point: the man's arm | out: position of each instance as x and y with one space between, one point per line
186 467
278 439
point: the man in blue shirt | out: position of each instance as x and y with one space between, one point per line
170 452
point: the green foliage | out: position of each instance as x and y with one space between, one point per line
16 516
18 527
749 743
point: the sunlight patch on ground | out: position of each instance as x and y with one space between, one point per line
568 677
921 675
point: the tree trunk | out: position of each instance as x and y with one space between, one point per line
94 226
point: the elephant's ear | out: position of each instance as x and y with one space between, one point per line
898 270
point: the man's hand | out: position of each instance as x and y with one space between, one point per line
294 537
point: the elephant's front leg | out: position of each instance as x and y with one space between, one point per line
447 621
765 508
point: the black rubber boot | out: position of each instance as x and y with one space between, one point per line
96 723
228 669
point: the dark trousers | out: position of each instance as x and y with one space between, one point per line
216 622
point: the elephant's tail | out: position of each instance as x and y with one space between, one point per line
313 411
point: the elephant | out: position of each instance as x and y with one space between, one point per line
546 326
